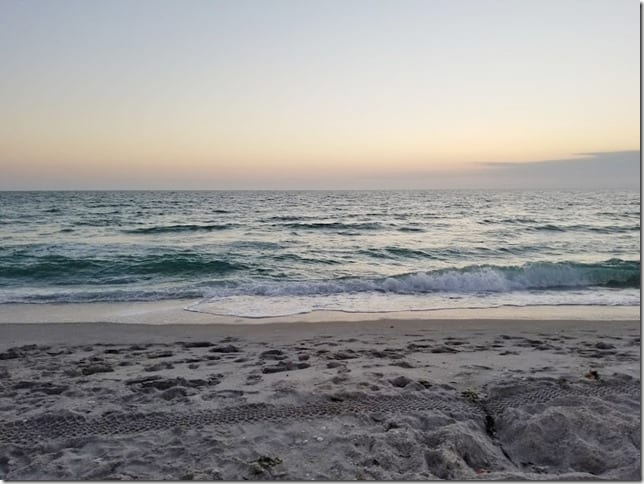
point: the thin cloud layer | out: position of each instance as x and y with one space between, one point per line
611 169
605 169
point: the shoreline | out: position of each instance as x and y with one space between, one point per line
179 312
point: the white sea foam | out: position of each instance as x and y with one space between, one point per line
270 306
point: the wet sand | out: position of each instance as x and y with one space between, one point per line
383 399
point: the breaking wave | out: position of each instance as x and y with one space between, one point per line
614 273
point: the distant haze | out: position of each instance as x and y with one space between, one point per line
303 94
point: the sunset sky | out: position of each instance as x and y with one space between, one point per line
314 94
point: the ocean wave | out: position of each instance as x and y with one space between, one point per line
531 276
610 229
64 270
614 273
99 222
178 228
332 226
288 218
288 257
119 295
549 227
512 220
615 229
387 253
531 279
411 229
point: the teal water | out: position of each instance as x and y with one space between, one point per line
269 253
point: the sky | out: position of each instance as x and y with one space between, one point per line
300 94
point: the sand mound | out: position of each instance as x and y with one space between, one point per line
588 426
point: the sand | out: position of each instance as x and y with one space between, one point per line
385 399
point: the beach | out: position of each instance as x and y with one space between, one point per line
406 335
388 398
340 240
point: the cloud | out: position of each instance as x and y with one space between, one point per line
611 169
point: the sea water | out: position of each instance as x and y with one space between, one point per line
269 253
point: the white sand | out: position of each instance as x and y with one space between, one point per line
384 399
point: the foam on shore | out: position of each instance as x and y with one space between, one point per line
182 312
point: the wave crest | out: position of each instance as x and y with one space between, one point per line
472 279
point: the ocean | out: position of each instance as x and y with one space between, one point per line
271 253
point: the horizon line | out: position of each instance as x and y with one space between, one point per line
574 188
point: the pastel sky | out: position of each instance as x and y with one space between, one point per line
315 94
